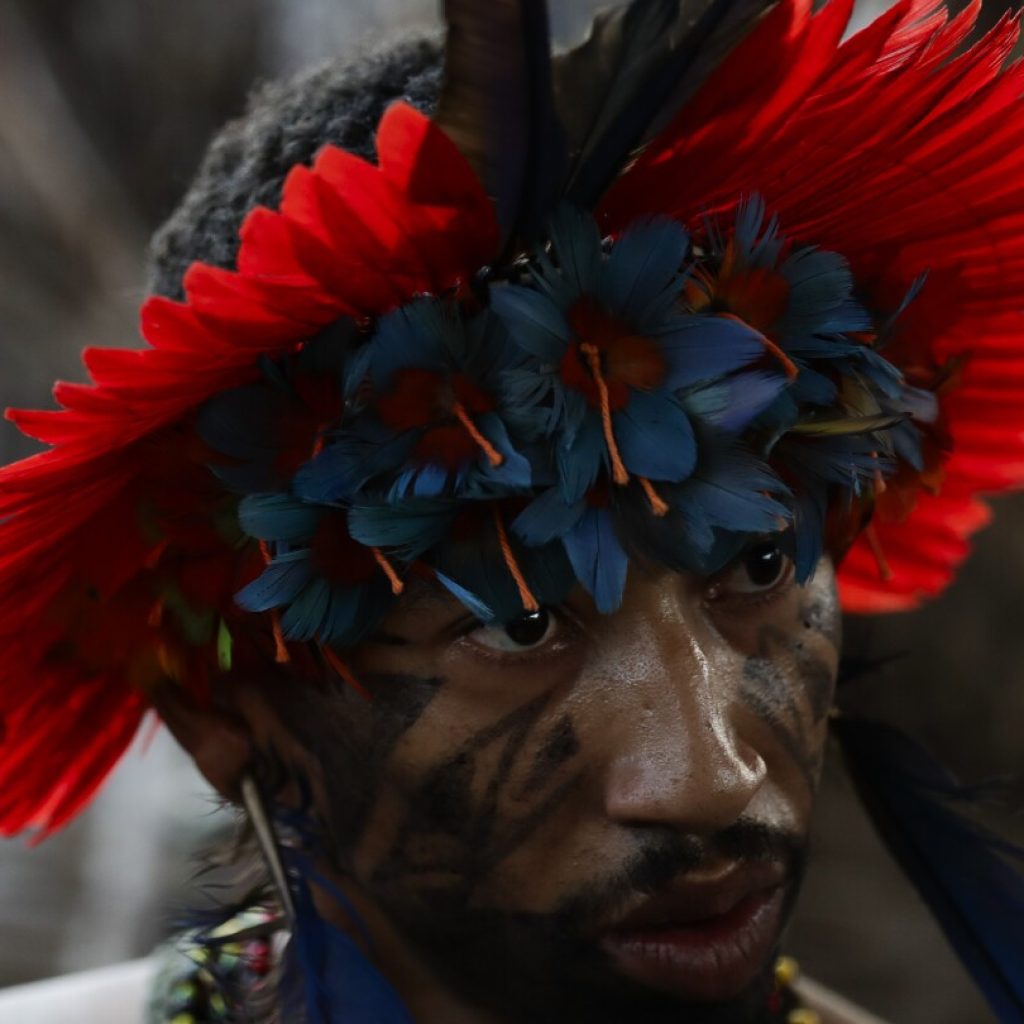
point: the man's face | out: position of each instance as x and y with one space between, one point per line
584 817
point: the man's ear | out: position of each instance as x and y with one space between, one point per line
219 743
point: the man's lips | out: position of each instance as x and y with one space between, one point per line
704 940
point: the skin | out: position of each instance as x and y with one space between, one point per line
493 806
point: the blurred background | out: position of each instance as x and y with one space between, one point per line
105 107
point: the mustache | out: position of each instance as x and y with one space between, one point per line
665 854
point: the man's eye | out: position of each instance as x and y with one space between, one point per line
760 568
523 634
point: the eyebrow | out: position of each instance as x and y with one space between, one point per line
420 596
388 639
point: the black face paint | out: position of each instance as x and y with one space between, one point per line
462 822
821 615
560 746
352 740
465 815
766 691
771 692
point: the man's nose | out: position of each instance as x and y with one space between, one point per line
679 756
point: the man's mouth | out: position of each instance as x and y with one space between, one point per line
703 939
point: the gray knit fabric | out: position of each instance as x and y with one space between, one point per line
286 124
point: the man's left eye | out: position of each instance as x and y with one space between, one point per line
760 568
526 633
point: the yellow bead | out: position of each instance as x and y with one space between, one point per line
787 970
803 1017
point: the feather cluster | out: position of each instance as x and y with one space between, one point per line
517 448
794 309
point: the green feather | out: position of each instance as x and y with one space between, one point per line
225 645
844 425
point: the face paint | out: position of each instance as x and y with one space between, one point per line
508 814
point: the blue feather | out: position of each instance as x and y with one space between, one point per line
326 354
250 478
731 404
328 979
514 472
578 463
535 323
813 388
304 618
345 465
278 517
476 565
921 405
470 600
906 440
490 349
341 618
755 247
655 437
887 377
641 279
411 527
280 583
571 408
598 558
749 218
413 335
697 532
821 346
735 492
820 284
430 480
808 533
971 879
549 573
547 517
701 348
849 316
244 423
522 388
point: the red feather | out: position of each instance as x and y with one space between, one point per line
112 577
906 158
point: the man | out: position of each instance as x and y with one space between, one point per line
479 534
563 790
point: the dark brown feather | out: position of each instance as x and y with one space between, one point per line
497 105
639 64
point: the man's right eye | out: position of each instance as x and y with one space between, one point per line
526 633
761 569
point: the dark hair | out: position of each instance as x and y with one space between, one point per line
286 124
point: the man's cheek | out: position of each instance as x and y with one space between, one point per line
481 817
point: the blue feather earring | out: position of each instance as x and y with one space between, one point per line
327 977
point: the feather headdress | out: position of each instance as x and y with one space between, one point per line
714 272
